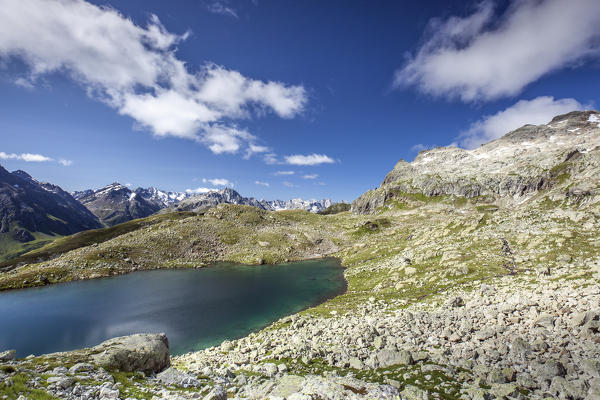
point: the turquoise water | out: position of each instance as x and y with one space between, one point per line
195 308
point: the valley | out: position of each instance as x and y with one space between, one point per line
472 274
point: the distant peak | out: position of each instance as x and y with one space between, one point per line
578 116
22 174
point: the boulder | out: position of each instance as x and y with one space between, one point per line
7 355
148 353
172 376
386 358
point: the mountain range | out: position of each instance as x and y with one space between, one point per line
32 213
116 203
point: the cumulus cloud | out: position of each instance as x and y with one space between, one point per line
311 159
537 111
311 176
200 190
27 157
218 182
266 184
135 70
278 173
485 56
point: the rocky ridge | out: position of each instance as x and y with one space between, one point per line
519 164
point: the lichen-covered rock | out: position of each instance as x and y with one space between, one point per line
141 352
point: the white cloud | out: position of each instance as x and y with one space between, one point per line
134 69
537 111
311 176
25 83
255 149
225 139
218 182
279 173
288 184
311 159
262 183
65 163
270 159
484 56
200 190
27 157
222 8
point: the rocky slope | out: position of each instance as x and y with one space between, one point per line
473 290
33 212
521 163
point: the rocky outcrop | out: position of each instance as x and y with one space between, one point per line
523 162
148 353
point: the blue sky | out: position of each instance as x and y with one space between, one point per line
196 94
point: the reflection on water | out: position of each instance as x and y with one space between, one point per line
195 308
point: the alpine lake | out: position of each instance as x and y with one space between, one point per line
196 308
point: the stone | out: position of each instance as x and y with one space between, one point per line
412 392
148 353
550 369
495 376
356 363
420 356
217 393
62 382
457 302
509 374
591 367
410 271
108 393
172 376
81 367
7 355
270 369
287 386
386 358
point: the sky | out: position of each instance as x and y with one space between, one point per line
277 98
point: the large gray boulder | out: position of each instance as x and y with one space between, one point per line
141 352
7 355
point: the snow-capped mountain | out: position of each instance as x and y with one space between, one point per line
157 196
297 204
203 201
116 203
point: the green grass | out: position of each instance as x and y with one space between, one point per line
20 387
86 238
336 208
